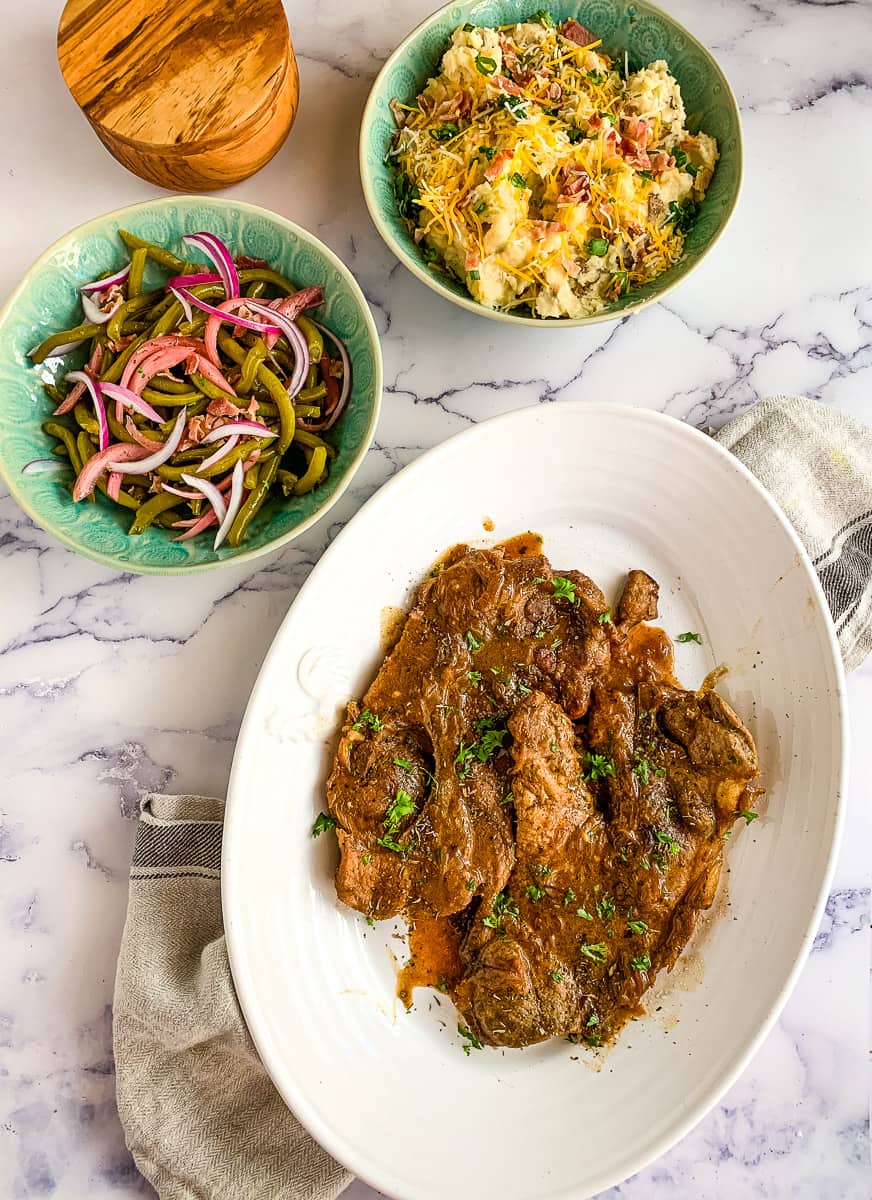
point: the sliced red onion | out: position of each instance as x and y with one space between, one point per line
344 392
297 343
198 526
192 280
146 465
201 364
100 285
217 253
229 445
95 466
165 341
252 428
44 466
211 493
95 314
233 505
139 437
168 487
113 485
94 391
123 395
182 295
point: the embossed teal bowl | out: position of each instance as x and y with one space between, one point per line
46 300
645 33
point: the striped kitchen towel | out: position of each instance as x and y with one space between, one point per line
200 1114
817 463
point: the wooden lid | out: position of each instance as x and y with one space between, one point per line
179 76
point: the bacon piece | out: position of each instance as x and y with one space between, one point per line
245 262
635 141
472 260
576 186
507 85
543 229
575 32
660 162
495 168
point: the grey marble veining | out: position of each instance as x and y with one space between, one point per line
113 684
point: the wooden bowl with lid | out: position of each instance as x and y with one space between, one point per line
188 94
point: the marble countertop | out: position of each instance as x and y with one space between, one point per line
93 709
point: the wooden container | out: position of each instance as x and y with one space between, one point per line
188 94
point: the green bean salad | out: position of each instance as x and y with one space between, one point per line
200 399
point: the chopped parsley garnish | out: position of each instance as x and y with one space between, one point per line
468 27
430 255
670 843
473 642
471 1042
368 718
533 892
503 906
595 76
485 65
605 618
728 833
637 926
524 690
645 174
596 951
401 807
539 579
515 105
444 133
575 135
470 885
584 914
404 763
598 766
509 798
597 247
544 18
474 677
543 871
480 207
367 859
641 769
475 275
642 963
488 152
605 908
557 976
748 815
322 824
495 670
592 1021
390 843
406 195
463 760
569 897
683 214
689 637
371 922
518 179
682 161
564 589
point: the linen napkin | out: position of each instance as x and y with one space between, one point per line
817 463
201 1116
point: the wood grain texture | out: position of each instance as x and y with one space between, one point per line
185 93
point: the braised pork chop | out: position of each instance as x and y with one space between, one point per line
526 766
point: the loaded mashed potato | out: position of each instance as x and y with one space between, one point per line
542 175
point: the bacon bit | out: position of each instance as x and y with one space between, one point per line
122 343
246 263
603 212
472 260
543 229
139 437
660 162
221 408
573 31
572 269
576 186
555 91
506 85
495 168
634 143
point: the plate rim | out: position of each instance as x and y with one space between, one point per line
369 1170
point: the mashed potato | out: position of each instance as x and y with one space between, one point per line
535 170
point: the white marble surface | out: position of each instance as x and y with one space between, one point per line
111 685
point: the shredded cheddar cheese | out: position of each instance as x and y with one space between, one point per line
539 173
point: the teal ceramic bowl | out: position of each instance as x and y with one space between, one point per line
645 33
46 300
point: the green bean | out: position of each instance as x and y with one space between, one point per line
114 373
173 315
86 419
280 397
79 334
67 438
311 377
288 481
254 502
231 347
256 354
237 454
151 509
314 471
161 383
310 394
177 400
266 275
249 479
255 290
117 428
193 454
137 266
60 450
312 441
157 254
54 393
134 305
313 336
208 388
306 410
123 499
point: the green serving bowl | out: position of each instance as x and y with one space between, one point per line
46 301
645 33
